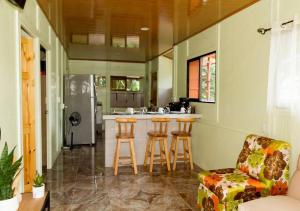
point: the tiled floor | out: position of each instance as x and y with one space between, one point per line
79 181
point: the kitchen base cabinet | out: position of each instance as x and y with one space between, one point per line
126 99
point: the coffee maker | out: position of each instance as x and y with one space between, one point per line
176 106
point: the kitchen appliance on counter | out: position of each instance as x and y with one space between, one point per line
176 106
80 97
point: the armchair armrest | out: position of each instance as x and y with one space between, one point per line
274 203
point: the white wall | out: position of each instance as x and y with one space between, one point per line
242 77
36 24
107 69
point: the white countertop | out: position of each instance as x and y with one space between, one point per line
149 116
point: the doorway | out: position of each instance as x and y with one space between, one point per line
44 112
28 111
154 89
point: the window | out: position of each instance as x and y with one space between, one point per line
118 42
133 84
129 41
96 39
118 83
79 39
201 78
123 83
132 41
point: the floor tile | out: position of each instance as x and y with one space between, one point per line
79 181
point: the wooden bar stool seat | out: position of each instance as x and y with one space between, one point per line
160 135
182 134
125 134
157 134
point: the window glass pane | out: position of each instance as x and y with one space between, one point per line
193 80
118 42
79 39
133 41
118 84
208 78
133 85
96 39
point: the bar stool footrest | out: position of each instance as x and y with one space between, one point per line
124 157
182 159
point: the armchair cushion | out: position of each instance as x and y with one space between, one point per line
278 203
228 187
265 159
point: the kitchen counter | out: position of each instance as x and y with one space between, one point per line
149 116
142 126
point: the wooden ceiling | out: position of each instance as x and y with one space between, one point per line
169 22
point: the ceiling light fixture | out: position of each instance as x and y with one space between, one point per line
204 2
144 28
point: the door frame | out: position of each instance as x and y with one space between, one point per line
37 92
38 104
48 107
38 43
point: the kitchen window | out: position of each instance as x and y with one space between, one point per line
118 83
133 84
201 78
129 41
123 83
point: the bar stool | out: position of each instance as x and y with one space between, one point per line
183 134
160 134
125 134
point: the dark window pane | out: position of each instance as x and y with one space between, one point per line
118 84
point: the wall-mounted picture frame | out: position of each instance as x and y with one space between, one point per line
201 78
100 81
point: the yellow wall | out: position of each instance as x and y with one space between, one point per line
242 77
36 24
106 69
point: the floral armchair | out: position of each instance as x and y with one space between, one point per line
262 169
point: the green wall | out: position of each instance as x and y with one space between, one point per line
242 77
107 69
